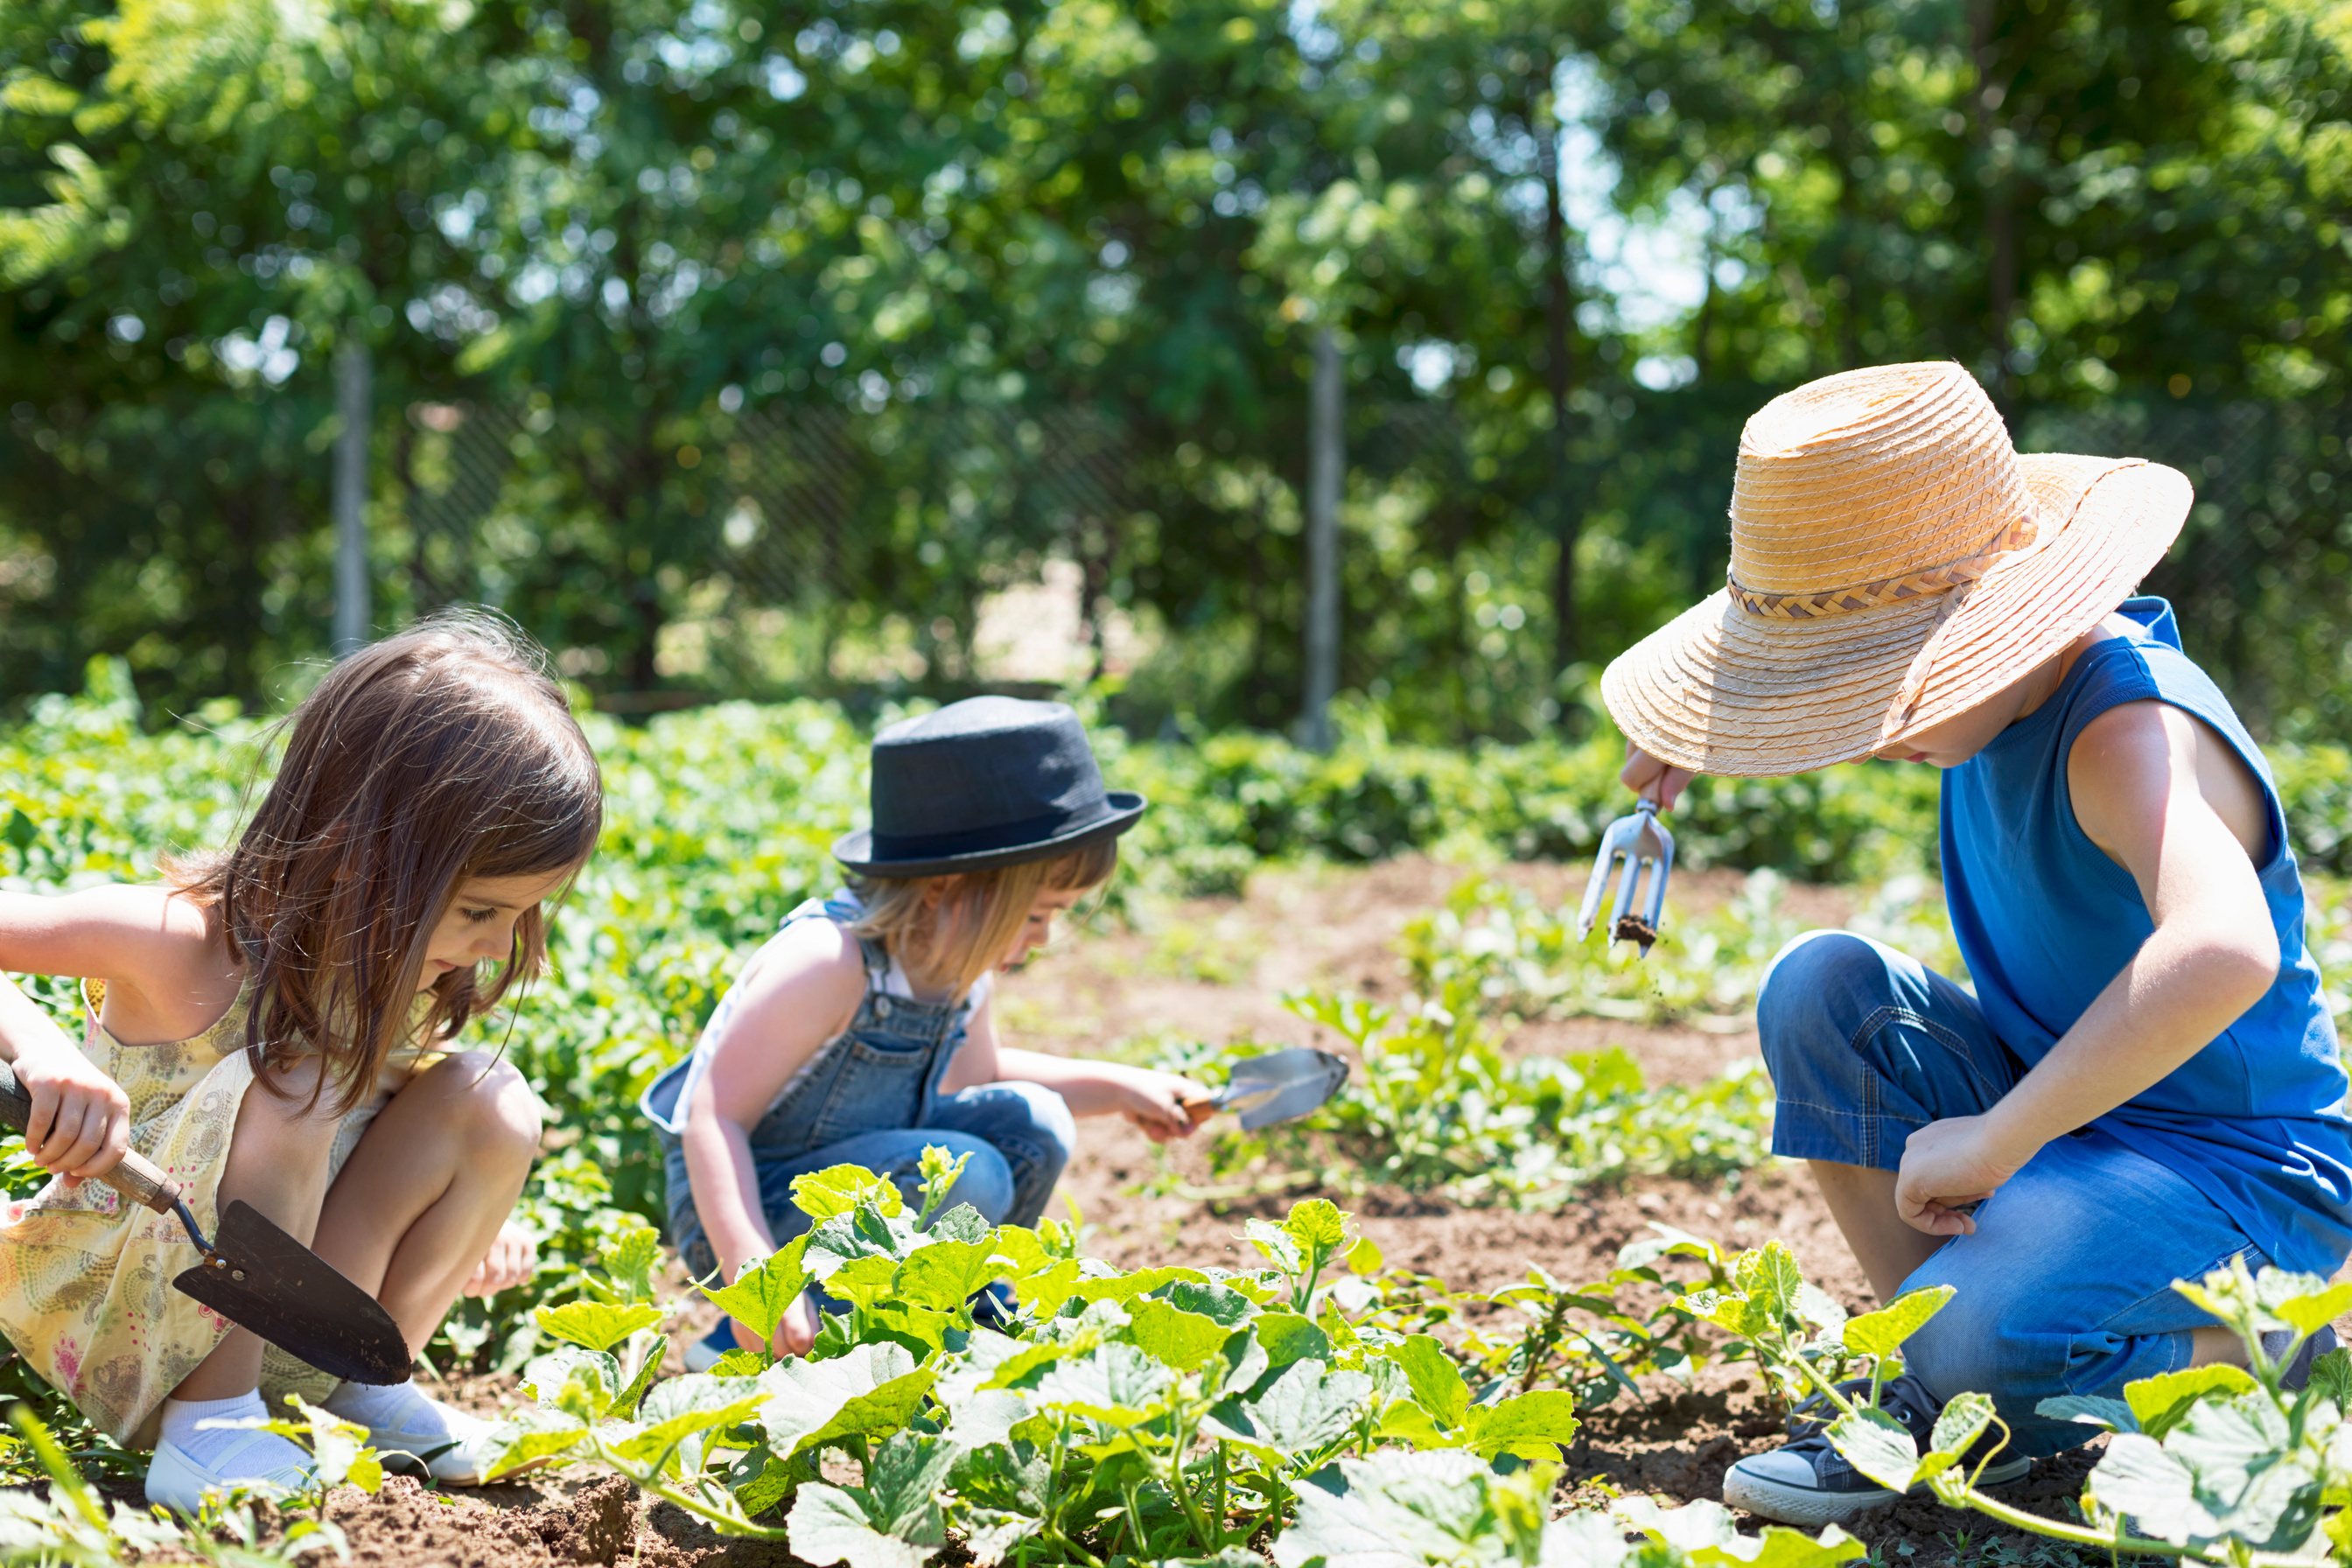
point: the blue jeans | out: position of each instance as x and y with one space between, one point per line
2066 1286
1019 1136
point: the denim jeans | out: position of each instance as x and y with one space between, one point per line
2066 1286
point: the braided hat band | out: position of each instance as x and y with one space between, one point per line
1964 565
2017 535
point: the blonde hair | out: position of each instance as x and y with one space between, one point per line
994 904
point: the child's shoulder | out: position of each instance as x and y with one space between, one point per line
816 958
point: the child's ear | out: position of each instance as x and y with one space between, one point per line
935 893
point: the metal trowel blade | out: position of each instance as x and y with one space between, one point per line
1282 1085
261 1278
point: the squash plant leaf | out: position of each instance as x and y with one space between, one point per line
678 1408
1436 1382
873 1389
839 1190
1880 1332
1705 1533
892 1522
2159 1404
2136 1477
567 1377
2089 1409
1119 1385
764 1291
595 1325
1392 1510
1288 1337
1533 1427
1174 1337
527 1437
1878 1444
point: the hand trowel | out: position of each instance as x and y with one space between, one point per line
1280 1086
260 1277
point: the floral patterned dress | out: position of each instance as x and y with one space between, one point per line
85 1277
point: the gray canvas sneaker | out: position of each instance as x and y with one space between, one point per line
1808 1482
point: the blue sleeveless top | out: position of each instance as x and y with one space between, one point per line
2256 1120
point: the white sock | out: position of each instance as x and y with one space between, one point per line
394 1407
226 1451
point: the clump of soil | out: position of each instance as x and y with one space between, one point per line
1638 930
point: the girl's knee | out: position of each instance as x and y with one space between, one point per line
492 1101
1053 1132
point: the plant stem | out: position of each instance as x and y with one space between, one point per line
2082 1535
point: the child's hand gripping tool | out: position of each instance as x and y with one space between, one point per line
1642 841
258 1276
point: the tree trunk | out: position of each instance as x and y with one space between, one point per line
2000 219
1568 516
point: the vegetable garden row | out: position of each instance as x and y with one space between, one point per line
1320 1406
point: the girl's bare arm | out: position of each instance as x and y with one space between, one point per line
140 939
1162 1104
800 995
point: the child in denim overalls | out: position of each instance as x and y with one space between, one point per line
862 1031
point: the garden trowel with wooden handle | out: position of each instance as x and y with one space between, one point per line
1280 1086
260 1277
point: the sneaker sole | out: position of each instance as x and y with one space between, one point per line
1813 1508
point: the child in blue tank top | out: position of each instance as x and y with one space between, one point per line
862 1031
2146 1081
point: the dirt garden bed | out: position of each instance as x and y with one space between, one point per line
1213 970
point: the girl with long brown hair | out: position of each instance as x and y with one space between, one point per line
864 1031
278 1022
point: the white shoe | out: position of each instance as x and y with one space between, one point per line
454 1456
177 1482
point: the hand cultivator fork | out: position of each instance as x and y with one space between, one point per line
1642 841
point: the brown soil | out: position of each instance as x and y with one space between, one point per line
1211 970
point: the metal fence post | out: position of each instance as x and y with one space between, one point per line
1326 473
353 401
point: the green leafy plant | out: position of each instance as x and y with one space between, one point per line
2213 1464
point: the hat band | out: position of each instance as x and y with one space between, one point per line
981 840
1886 590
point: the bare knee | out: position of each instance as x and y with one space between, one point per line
488 1102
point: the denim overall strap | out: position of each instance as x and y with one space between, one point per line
882 1074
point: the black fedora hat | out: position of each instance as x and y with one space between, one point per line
989 781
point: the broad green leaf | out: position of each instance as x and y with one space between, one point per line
864 1280
839 1189
1221 1304
527 1437
1771 1273
1436 1382
1880 1332
2331 1374
1403 1421
986 1417
676 1409
567 1377
2257 1484
1286 1336
1364 1257
1533 1427
2159 1404
1317 1225
1116 1384
1019 1369
1733 1312
1963 1418
2136 1477
1279 1247
962 1223
2314 1310
875 1388
1705 1532
2091 1411
943 1275
764 1291
828 1525
772 1484
595 1325
1177 1338
1302 1412
1393 1511
1819 1308
991 1533
1878 1445
630 1260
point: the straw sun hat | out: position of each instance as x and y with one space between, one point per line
1893 563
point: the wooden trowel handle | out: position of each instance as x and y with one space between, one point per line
134 1178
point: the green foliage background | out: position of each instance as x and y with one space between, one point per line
634 230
